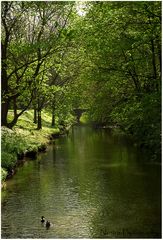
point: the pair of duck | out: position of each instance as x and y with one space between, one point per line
47 223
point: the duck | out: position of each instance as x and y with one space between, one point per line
42 219
48 224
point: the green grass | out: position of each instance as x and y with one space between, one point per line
26 128
23 137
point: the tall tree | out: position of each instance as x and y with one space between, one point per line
31 33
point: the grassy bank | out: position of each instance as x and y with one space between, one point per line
24 139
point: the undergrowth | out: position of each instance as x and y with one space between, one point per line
23 138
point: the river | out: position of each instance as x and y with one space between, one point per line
89 184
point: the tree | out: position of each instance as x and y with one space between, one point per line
121 42
39 28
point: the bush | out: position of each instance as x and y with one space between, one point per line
24 139
12 144
141 117
3 174
8 160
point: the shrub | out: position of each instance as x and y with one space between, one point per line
3 174
12 142
8 160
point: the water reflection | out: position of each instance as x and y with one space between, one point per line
89 185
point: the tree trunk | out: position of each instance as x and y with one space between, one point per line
53 113
35 115
4 85
160 73
53 119
17 115
154 64
4 113
160 58
15 107
153 60
39 122
35 105
132 72
12 124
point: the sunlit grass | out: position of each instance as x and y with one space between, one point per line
26 128
23 137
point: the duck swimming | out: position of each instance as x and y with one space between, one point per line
48 224
42 219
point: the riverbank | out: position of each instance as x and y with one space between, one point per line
25 140
149 143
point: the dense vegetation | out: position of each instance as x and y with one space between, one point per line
101 56
122 45
23 140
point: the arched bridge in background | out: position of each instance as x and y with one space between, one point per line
78 112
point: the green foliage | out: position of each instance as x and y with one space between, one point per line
141 117
38 35
12 144
8 160
84 118
24 137
3 174
122 67
12 141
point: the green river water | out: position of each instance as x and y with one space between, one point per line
89 184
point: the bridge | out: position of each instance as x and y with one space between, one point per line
78 112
